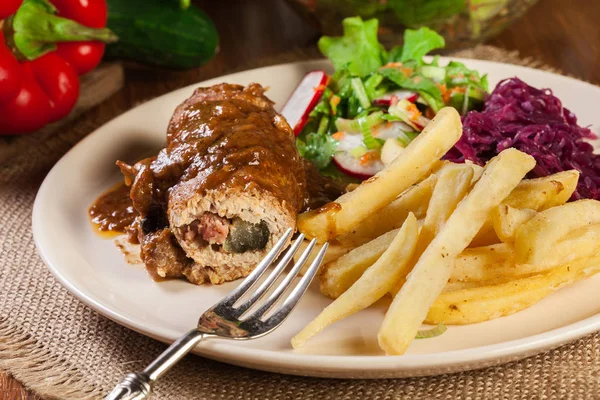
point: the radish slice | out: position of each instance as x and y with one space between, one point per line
392 130
352 167
304 98
386 99
349 141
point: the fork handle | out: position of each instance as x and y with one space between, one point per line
138 386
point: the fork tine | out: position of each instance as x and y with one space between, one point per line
266 285
285 284
290 303
257 272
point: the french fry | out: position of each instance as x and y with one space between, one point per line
469 306
334 251
371 286
337 276
535 240
431 273
583 242
506 220
454 181
477 171
542 193
480 266
414 200
497 262
486 235
452 185
484 263
454 286
412 165
537 194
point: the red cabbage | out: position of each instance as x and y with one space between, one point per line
535 122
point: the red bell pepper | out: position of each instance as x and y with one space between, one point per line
44 47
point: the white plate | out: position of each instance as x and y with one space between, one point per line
93 269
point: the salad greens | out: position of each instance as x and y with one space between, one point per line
376 96
419 43
318 148
358 50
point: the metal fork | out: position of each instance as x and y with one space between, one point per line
225 320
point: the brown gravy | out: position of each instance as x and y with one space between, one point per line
113 211
215 140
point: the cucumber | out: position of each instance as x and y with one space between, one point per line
438 74
161 33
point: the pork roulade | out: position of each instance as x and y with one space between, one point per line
228 184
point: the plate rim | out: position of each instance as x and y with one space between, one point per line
321 365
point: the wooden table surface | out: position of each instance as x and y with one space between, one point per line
562 34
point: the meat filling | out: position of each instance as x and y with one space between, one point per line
233 235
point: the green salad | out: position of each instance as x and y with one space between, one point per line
378 100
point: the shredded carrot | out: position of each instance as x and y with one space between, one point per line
445 93
338 135
368 157
393 65
319 88
407 71
414 112
335 100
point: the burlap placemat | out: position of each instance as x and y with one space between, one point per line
61 349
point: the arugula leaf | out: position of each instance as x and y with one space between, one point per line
317 148
426 87
358 51
419 42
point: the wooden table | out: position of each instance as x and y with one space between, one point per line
562 34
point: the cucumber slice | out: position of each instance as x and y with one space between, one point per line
354 125
360 92
438 74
